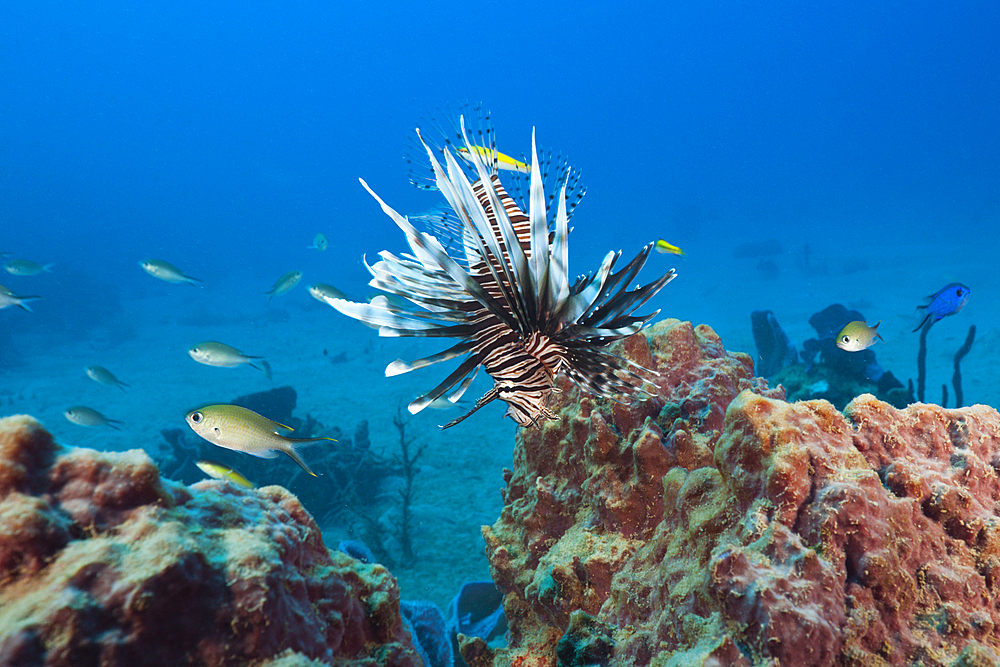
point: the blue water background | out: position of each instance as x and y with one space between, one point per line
223 136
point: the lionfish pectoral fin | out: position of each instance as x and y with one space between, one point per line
437 392
399 366
488 397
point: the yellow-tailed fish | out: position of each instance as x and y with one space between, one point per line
105 377
219 471
664 247
504 162
242 430
283 284
85 416
858 336
322 292
8 298
168 272
25 267
319 243
212 353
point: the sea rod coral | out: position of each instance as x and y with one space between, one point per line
102 562
717 524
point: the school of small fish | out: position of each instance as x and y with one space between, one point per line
225 426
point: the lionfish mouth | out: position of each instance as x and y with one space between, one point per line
497 280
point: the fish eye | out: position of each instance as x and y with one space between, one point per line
196 417
845 339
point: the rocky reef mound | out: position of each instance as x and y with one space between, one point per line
102 562
717 524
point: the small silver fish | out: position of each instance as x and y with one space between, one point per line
84 416
212 353
104 376
322 292
858 336
168 272
319 243
8 298
25 267
242 430
283 284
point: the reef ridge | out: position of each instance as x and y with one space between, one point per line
718 524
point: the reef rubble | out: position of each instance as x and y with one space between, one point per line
103 562
717 524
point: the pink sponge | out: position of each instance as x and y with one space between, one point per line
102 562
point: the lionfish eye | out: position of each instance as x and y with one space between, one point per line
196 417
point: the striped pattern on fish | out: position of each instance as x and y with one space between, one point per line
505 293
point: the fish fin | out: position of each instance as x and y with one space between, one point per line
922 322
265 454
290 450
280 425
25 306
266 369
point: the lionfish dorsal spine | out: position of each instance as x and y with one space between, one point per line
523 285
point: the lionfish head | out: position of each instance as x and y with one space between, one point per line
495 279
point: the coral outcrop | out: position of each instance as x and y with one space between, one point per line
102 562
717 524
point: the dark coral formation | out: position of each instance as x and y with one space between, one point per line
718 524
103 562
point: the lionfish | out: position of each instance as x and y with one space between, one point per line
496 278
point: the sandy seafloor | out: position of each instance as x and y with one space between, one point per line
460 480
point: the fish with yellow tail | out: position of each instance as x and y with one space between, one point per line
662 246
503 162
858 336
167 272
219 471
283 284
242 430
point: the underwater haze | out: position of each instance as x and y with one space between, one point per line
800 154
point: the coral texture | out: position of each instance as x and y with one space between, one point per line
717 524
103 562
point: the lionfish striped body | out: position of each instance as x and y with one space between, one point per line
503 289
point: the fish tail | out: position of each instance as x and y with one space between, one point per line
923 321
25 305
266 370
290 450
122 385
112 422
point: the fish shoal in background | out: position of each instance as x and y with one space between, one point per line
25 267
84 416
213 353
284 284
319 243
168 272
8 298
102 375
